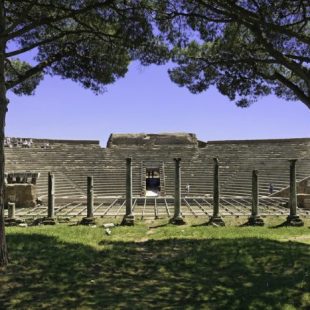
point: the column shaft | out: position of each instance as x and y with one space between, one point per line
51 195
177 188
293 191
90 196
128 186
216 188
254 193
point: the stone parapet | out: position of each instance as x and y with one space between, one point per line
21 177
142 139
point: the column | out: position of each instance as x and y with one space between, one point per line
255 219
89 219
90 197
177 217
50 220
51 195
216 219
216 188
293 219
254 193
129 217
293 192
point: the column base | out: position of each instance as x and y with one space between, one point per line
294 221
216 221
13 221
255 220
88 221
128 220
49 221
177 220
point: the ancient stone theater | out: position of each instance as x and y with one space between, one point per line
29 161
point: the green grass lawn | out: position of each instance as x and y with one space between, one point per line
160 266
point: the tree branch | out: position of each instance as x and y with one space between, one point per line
299 70
33 71
297 91
50 20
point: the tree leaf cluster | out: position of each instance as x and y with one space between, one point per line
90 42
246 48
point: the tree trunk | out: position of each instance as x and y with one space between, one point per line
3 109
3 248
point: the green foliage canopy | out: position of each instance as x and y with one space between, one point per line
246 48
91 42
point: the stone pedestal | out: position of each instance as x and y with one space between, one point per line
11 210
177 218
294 221
11 220
216 221
88 221
256 220
49 221
129 218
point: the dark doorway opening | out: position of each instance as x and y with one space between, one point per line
152 180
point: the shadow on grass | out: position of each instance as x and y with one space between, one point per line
283 224
159 226
248 273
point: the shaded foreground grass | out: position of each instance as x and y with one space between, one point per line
159 267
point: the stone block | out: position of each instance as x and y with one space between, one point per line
303 201
128 220
178 220
49 221
88 221
294 221
108 225
13 222
24 195
216 221
255 221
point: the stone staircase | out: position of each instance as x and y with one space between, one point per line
73 161
59 158
269 157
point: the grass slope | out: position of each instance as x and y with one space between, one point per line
153 265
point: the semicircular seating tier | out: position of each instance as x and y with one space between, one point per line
72 161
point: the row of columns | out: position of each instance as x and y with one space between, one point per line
293 218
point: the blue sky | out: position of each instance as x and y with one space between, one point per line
147 101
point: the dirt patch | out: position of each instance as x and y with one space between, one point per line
304 239
142 240
151 231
